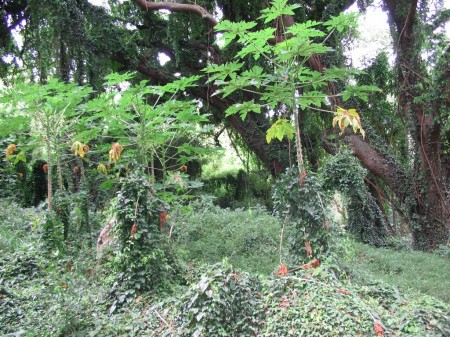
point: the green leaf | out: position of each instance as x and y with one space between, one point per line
255 76
20 157
309 77
277 9
243 109
255 43
231 30
304 30
342 21
277 93
299 47
221 72
116 78
179 85
311 98
280 129
361 91
335 73
236 83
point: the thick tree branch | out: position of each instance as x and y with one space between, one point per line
176 7
252 129
382 167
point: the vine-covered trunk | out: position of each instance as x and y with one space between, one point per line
430 204
429 213
417 192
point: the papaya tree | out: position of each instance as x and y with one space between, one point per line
45 117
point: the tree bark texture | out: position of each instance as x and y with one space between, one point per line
430 206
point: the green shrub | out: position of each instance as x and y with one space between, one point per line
303 210
44 297
18 226
343 173
144 261
239 188
224 302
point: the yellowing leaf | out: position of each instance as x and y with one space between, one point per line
10 150
280 129
79 149
350 117
115 152
102 169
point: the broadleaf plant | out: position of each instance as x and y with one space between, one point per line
291 86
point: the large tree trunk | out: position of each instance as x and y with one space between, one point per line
428 205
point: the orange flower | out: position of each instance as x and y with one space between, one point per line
183 168
45 168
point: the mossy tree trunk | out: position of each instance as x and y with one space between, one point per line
428 202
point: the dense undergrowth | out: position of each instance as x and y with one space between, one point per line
50 292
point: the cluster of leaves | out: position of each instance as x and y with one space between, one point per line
302 209
147 120
224 302
18 225
72 211
40 296
63 294
292 81
344 174
143 260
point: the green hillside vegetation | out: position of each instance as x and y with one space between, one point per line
69 294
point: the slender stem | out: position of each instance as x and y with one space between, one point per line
298 141
49 174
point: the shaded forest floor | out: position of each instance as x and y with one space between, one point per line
227 287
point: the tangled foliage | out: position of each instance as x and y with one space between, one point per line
343 173
303 208
61 295
224 302
144 260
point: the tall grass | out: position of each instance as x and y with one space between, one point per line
414 271
248 238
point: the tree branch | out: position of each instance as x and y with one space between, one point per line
176 7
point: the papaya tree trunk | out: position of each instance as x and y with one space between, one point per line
49 174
